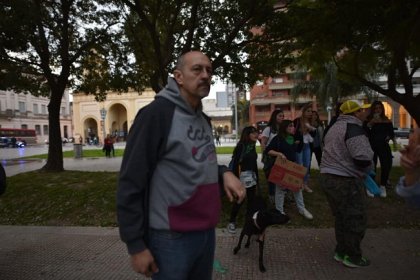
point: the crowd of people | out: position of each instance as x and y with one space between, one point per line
168 197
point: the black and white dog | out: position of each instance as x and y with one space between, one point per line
256 222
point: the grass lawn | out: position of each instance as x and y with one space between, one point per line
76 198
119 152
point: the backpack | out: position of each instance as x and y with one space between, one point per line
235 163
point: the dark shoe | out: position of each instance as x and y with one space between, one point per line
339 257
352 263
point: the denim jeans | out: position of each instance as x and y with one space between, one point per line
304 158
186 255
279 199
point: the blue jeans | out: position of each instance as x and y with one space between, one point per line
183 255
279 199
304 158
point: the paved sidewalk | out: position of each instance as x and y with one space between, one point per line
97 253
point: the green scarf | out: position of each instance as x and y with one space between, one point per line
290 139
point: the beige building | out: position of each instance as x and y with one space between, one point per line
26 111
221 117
114 116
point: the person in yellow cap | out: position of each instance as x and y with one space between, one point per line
347 158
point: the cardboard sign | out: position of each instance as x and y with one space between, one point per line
287 174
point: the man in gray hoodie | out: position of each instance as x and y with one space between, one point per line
347 158
168 198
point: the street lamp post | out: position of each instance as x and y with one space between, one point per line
235 100
103 116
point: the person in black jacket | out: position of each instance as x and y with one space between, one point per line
380 130
168 196
245 167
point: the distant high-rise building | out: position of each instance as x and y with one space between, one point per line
222 99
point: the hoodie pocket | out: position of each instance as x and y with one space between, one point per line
200 212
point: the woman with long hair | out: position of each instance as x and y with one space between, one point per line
284 146
269 132
380 131
245 167
303 135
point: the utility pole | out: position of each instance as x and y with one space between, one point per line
235 100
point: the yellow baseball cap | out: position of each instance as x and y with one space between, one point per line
351 106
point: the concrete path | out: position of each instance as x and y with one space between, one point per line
97 253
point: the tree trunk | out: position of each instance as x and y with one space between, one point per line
55 148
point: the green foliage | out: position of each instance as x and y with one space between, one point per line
364 40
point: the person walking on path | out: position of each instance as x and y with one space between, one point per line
168 197
245 167
303 135
283 145
346 161
269 132
380 131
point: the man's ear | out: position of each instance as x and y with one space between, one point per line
178 76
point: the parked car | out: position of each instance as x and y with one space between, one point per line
7 142
402 132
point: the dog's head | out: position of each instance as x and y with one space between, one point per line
269 217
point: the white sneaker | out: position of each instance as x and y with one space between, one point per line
383 191
305 213
369 194
231 228
307 189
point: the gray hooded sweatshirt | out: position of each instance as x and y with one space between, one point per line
169 177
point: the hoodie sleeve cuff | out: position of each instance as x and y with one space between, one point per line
136 246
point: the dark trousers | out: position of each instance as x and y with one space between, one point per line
384 154
347 201
250 194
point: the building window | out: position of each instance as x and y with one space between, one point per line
66 134
278 80
22 107
46 131
279 93
24 126
44 109
36 110
63 111
38 129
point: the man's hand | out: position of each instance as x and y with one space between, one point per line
144 263
233 187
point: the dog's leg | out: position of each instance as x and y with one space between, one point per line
238 247
248 241
261 259
261 252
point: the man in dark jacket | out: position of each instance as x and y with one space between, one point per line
168 198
